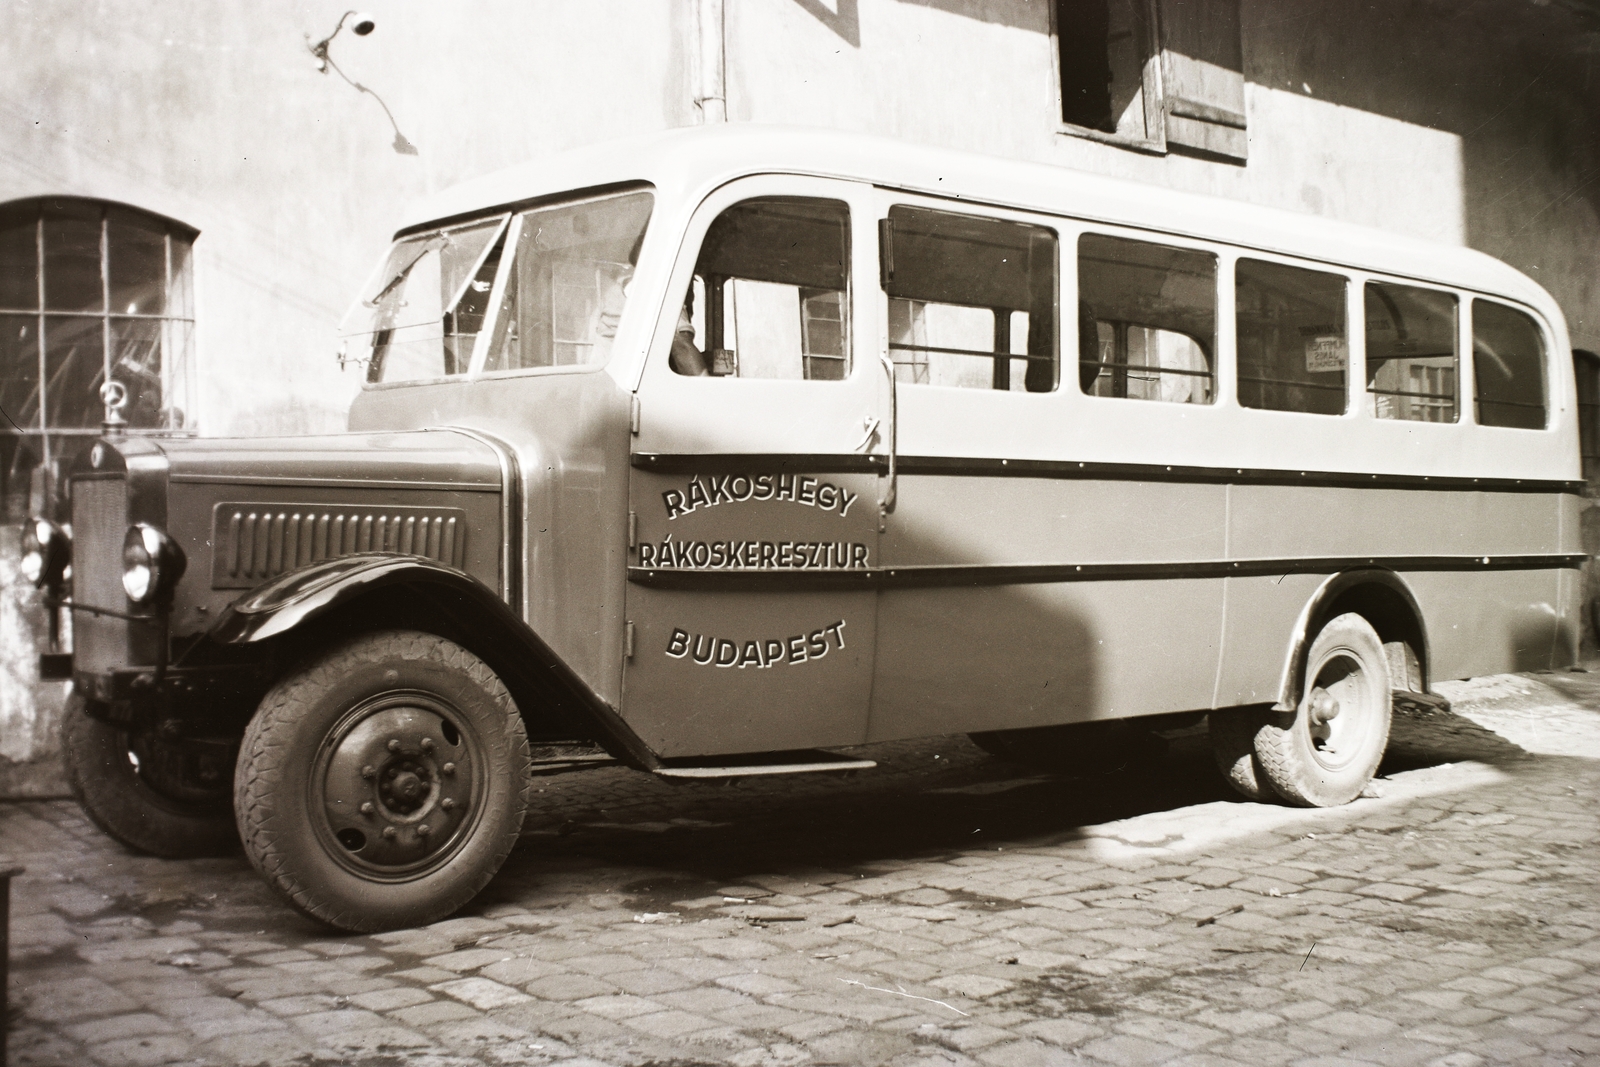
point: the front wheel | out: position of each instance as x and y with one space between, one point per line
1328 749
165 797
383 784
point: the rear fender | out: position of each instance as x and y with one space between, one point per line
538 679
1377 594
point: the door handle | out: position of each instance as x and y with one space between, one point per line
886 501
871 424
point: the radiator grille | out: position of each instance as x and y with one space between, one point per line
255 542
99 521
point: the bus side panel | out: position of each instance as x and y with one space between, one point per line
1275 522
1492 622
987 657
1260 626
1002 657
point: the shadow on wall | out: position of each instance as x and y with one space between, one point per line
843 17
1512 80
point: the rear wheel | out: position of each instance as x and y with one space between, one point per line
1326 752
1233 745
166 797
383 784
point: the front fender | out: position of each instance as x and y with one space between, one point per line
536 676
293 599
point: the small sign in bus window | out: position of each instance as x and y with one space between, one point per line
1325 354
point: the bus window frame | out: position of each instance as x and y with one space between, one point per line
1225 340
1560 379
1060 226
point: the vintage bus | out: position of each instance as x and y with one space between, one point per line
730 448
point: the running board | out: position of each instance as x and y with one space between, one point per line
803 763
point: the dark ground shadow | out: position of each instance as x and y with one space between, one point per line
928 800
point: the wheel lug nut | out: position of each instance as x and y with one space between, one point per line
390 832
369 771
394 745
366 807
447 804
427 744
448 768
424 830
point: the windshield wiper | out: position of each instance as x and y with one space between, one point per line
435 243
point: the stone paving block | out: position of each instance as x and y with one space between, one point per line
467 959
1517 976
250 1022
670 1024
976 986
339 1020
1236 1022
141 1051
424 975
1479 985
1064 1032
518 970
70 999
482 993
1124 1050
302 1004
117 1027
435 1011
375 1041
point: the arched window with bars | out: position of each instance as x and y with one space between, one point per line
90 292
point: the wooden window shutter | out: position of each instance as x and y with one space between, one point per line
1202 68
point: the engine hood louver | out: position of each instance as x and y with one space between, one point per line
254 542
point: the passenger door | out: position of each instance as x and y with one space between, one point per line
754 488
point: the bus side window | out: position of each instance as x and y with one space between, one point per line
770 296
1507 367
1147 318
972 301
1293 349
1411 353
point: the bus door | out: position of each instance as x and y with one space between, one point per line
754 482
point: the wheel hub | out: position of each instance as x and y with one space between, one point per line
398 785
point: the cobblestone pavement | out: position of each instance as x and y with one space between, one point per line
945 909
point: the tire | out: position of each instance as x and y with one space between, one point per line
350 759
1233 745
1319 760
157 797
1079 750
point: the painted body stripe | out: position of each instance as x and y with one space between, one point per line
844 463
950 575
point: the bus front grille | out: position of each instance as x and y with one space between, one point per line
99 521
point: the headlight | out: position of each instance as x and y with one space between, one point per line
46 552
152 563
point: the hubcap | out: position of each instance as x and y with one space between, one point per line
399 785
1337 710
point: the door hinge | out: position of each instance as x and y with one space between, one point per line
633 416
627 640
633 530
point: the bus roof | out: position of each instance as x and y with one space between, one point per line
686 164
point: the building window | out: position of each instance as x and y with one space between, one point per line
1155 74
1587 367
89 292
